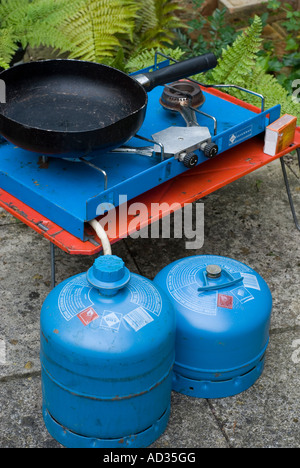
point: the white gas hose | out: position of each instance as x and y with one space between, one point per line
102 236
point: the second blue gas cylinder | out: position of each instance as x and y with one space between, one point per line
223 310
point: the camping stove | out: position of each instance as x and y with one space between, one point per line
186 124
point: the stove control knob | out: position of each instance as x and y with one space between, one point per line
210 150
190 160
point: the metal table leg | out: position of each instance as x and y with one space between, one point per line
287 184
52 255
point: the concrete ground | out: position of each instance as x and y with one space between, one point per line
249 220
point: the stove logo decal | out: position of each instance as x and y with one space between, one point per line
232 139
242 135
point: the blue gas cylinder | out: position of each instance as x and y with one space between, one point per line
107 353
223 310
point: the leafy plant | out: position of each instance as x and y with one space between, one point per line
25 22
146 58
154 30
107 31
286 66
8 47
156 22
238 65
95 27
218 35
120 30
115 31
237 61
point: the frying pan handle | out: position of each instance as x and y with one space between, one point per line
177 71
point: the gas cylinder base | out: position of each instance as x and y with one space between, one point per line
218 388
71 440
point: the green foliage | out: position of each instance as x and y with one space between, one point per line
97 30
157 20
8 47
113 31
237 60
220 33
146 18
266 84
40 24
94 27
215 33
286 68
146 58
31 23
126 33
238 65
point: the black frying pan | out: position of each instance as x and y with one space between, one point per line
62 107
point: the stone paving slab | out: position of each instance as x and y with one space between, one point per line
235 6
249 220
267 414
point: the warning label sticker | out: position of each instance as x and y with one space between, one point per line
250 281
242 294
111 320
209 304
143 305
225 301
138 318
74 297
87 316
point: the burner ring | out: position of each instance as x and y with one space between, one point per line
182 93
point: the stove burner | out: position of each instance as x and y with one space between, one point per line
185 97
182 93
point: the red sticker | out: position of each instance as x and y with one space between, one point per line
225 301
87 316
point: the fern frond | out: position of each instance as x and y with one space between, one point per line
35 22
145 58
157 21
266 84
94 27
238 65
8 47
91 30
238 60
13 12
147 18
